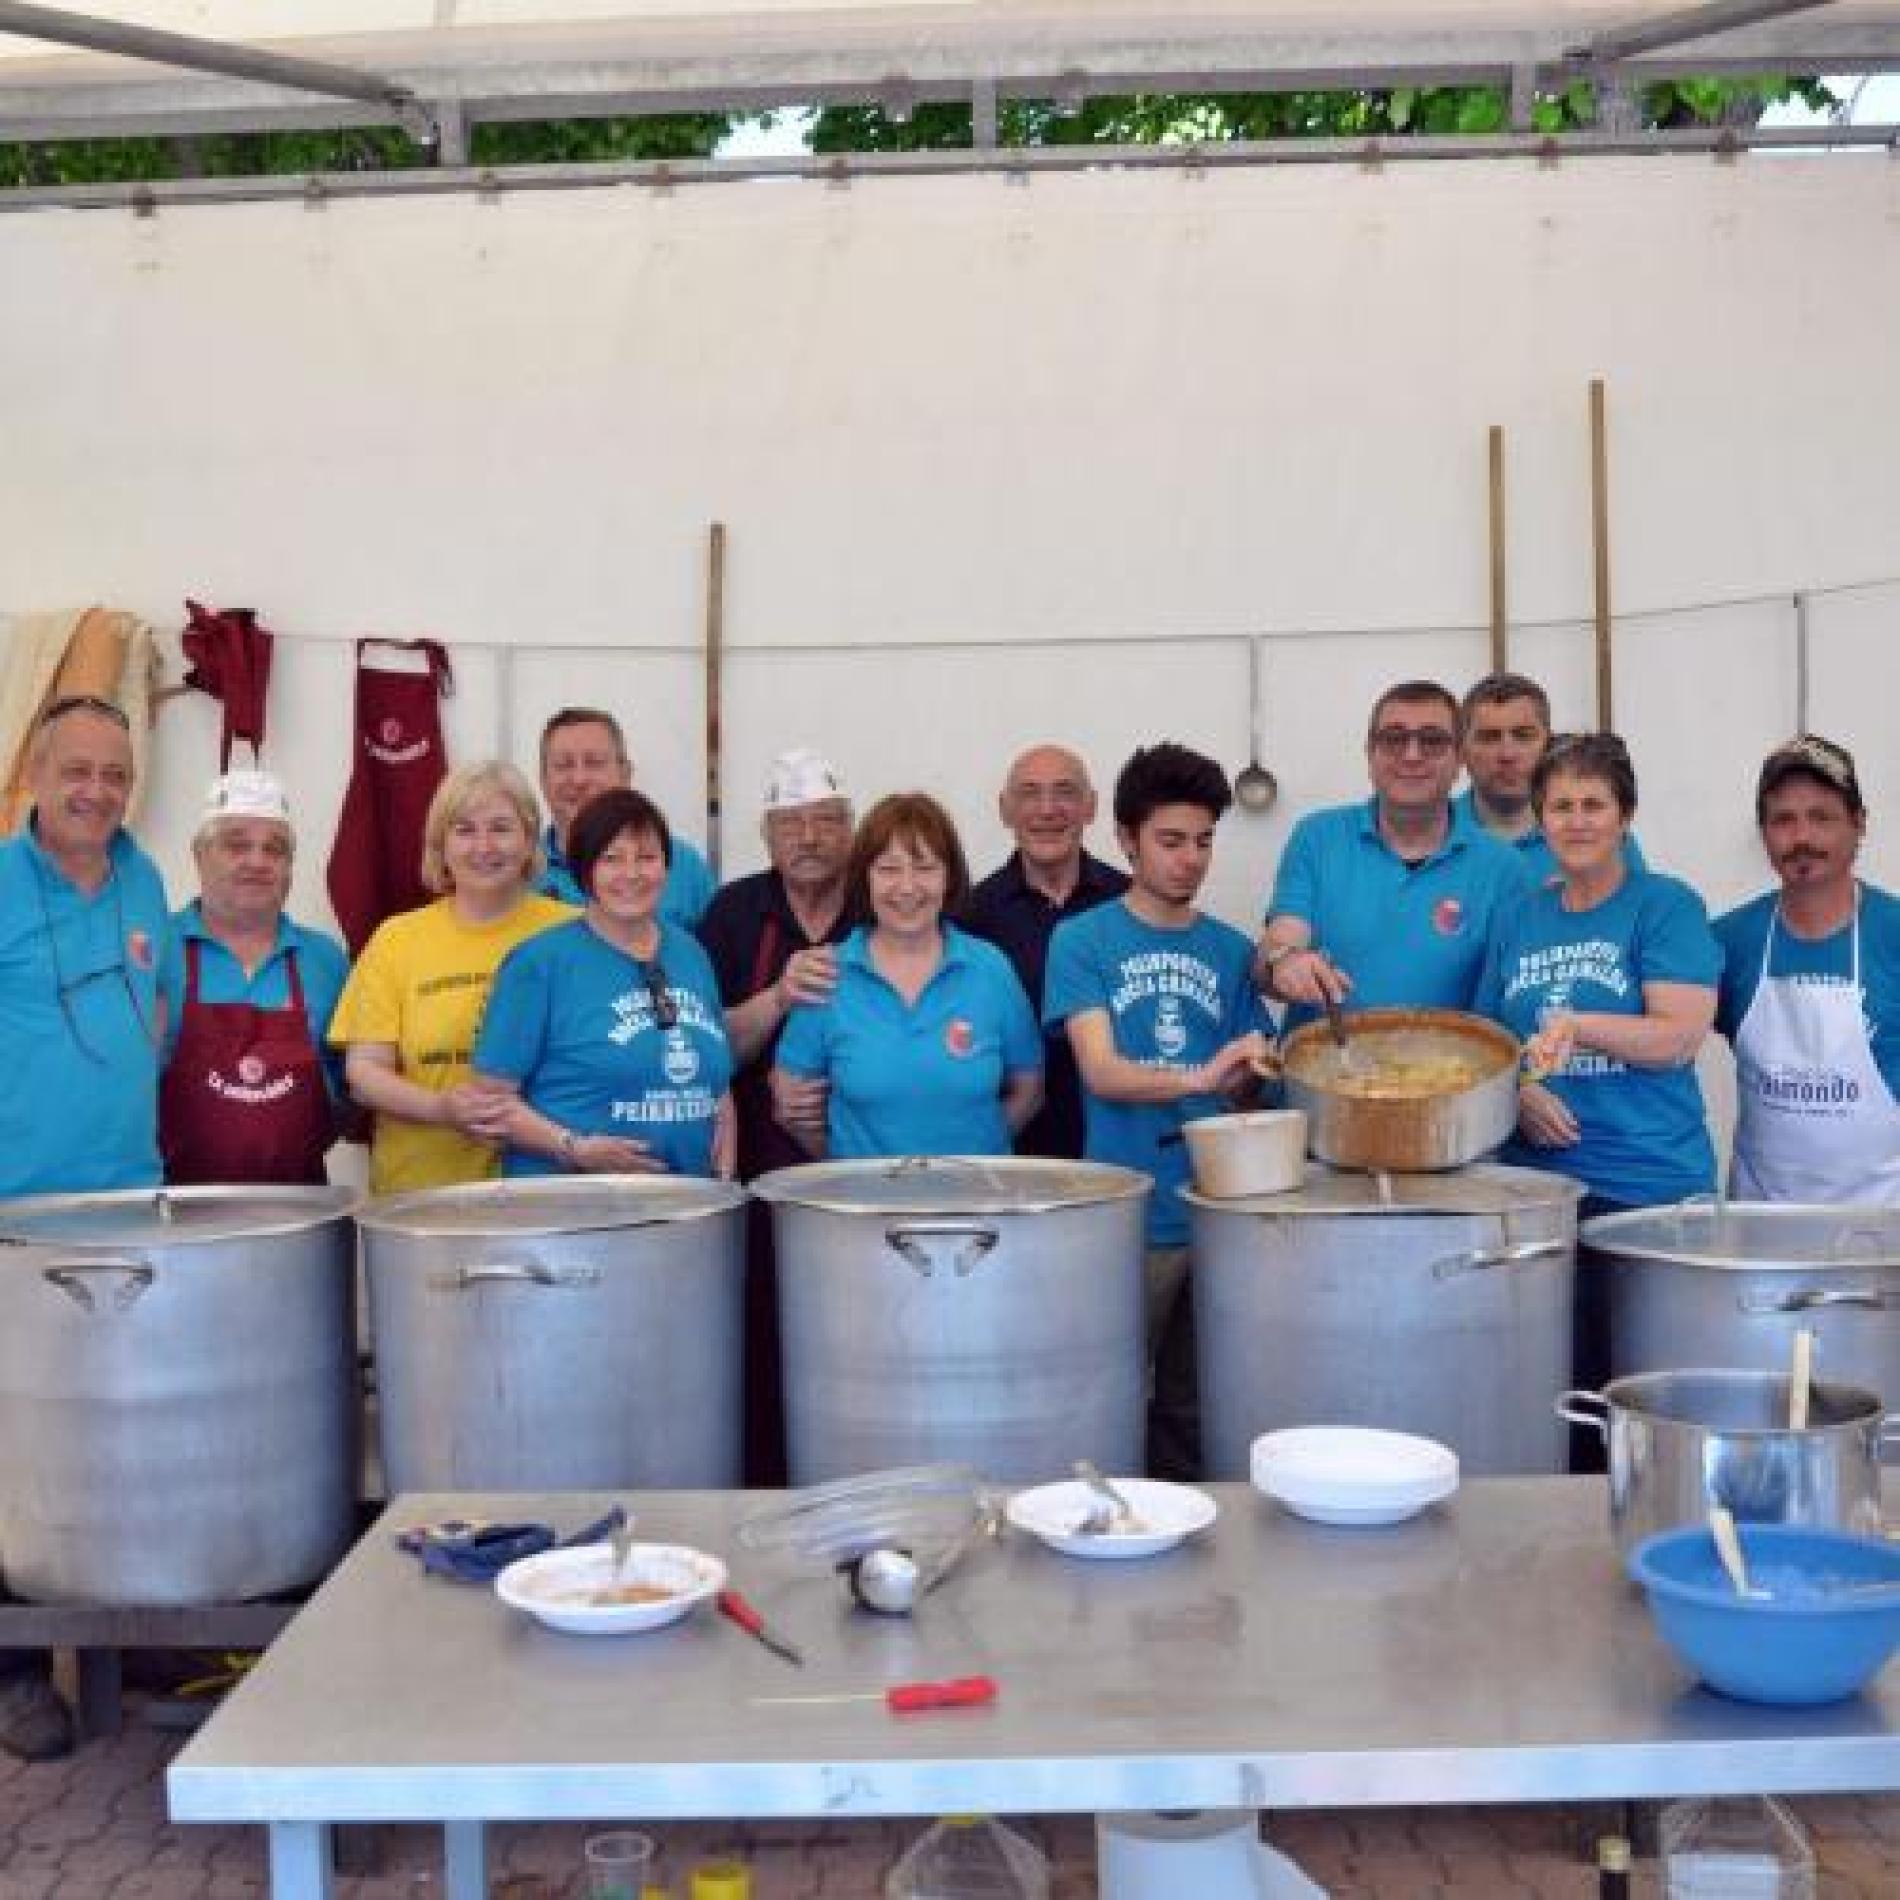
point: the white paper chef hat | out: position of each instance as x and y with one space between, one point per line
245 795
802 777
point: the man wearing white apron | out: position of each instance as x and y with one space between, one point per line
1811 996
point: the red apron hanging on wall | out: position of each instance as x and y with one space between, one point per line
375 865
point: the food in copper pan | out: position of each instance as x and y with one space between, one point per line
1397 1080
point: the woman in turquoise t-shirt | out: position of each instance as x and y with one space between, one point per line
1610 977
928 1044
608 1030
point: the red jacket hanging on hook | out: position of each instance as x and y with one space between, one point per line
230 655
376 863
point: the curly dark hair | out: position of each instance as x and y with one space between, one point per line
1168 774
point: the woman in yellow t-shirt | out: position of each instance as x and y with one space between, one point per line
407 1019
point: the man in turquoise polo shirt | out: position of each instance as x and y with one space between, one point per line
1389 902
1504 725
583 753
84 934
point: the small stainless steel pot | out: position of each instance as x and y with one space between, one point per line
1682 1441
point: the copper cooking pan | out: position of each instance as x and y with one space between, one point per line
1362 1109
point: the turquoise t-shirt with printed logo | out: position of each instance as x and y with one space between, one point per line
1173 999
1644 1139
571 1019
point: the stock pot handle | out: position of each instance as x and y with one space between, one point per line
532 1273
1804 1299
1478 1258
1573 1406
70 1277
908 1243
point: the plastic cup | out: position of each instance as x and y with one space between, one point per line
618 1864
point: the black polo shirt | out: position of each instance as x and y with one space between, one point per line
1008 910
750 932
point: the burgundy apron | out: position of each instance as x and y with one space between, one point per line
375 867
243 1097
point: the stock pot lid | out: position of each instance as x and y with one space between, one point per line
950 1184
169 1217
551 1204
1752 1235
1486 1188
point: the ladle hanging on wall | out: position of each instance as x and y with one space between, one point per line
1255 788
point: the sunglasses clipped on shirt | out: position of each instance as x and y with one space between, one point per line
666 1012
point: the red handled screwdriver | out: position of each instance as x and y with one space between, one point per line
734 1606
909 1698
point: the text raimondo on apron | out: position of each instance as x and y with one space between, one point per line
375 867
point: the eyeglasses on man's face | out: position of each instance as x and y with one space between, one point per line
1431 742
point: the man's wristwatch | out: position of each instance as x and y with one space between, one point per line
570 1145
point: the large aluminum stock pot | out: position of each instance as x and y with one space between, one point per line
986 1312
1376 1103
1729 1284
1682 1441
1433 1303
568 1333
179 1409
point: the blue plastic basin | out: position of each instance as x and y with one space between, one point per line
1806 1642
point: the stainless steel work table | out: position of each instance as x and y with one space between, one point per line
1488 1651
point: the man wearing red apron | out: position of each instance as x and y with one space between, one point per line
247 1095
1811 996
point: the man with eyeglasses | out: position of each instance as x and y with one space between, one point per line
248 1093
1389 902
583 753
770 936
85 932
1047 803
1505 727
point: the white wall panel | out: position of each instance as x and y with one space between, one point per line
1161 409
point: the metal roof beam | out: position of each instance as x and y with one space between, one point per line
217 56
1692 23
834 170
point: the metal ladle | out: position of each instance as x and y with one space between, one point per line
1255 788
891 1581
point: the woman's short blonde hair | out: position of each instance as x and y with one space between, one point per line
453 797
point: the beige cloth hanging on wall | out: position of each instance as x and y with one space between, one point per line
92 651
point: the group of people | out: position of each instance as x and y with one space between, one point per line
579 998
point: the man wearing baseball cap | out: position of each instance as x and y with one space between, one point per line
1810 996
770 937
247 1094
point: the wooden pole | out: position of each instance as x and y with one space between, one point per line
1600 545
1500 639
715 659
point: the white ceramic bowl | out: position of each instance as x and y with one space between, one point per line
1353 1474
562 1588
1168 1514
1237 1155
